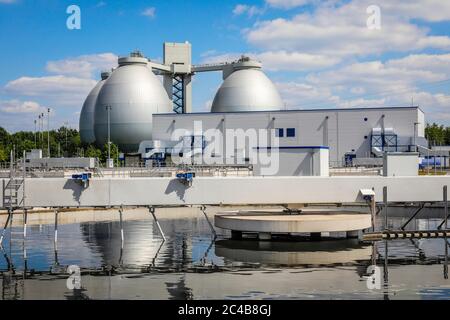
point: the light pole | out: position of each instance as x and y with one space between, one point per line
66 124
48 132
42 129
35 133
39 133
109 162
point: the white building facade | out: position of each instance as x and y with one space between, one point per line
358 132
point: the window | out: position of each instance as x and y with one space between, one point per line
279 132
290 132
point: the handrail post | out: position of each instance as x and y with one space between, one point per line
385 201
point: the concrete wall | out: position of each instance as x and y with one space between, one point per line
48 192
61 163
401 164
343 130
296 162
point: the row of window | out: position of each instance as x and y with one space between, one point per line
290 132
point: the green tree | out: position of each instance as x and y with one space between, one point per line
3 154
114 153
4 136
93 152
435 134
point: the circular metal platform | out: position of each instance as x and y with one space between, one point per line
280 222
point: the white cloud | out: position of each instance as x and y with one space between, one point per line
280 60
85 66
58 90
295 61
246 9
396 82
341 30
17 106
240 9
427 10
149 12
288 4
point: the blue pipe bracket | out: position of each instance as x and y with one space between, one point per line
82 178
185 177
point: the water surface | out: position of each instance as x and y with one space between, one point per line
192 265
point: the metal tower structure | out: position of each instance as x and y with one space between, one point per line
177 71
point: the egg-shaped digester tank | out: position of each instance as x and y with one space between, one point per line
86 124
246 88
131 95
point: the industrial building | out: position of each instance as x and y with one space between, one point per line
361 133
133 109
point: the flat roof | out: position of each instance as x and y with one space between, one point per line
291 110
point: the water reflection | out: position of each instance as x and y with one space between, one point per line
306 253
192 265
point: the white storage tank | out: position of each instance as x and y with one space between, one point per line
246 88
131 94
87 111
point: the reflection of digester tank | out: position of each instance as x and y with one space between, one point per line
141 245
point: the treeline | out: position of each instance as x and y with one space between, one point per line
64 142
437 135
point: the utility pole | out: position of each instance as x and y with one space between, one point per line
109 164
42 130
48 132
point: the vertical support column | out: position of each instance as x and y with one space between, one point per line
6 226
121 227
385 202
25 218
374 253
386 269
373 211
445 207
203 209
55 239
152 211
446 258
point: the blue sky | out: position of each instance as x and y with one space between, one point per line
318 53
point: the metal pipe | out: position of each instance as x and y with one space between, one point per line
413 216
152 211
55 240
446 259
48 132
121 227
372 205
385 201
25 218
445 207
203 209
6 226
35 145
